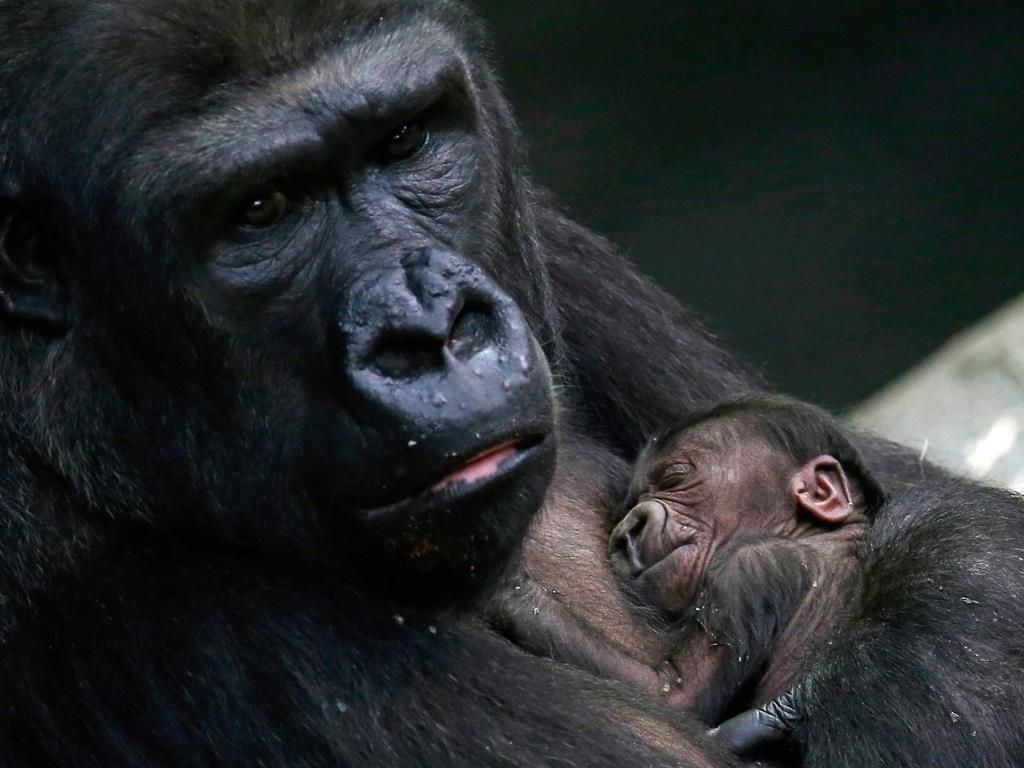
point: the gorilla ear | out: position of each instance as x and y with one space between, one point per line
820 487
31 288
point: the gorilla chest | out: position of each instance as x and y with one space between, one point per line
566 552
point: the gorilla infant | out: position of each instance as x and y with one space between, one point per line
752 528
746 526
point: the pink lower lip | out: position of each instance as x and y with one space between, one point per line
480 467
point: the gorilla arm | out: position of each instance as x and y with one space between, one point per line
641 359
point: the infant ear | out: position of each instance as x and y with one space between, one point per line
820 487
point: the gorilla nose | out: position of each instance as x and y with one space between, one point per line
431 315
627 542
433 322
442 366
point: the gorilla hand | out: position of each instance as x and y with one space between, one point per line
766 728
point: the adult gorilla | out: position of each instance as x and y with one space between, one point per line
281 318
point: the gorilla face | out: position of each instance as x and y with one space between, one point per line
281 284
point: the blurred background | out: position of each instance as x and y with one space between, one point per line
839 186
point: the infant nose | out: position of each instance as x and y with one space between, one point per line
626 542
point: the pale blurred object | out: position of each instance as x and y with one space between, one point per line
964 406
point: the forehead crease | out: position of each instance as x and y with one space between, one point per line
291 110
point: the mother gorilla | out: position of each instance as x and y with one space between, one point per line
289 342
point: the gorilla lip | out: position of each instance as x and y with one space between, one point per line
495 461
485 464
663 561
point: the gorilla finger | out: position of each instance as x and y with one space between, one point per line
769 726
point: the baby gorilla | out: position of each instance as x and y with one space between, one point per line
854 632
744 529
745 526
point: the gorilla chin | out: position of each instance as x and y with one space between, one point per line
446 544
475 490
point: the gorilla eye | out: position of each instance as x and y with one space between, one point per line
266 209
679 473
404 142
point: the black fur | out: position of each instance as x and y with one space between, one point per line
930 671
211 662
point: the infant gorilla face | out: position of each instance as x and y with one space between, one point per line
692 495
700 489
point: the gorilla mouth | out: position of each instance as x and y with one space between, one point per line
469 476
482 466
662 560
636 566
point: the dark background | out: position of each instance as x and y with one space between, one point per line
838 186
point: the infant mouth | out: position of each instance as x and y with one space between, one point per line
636 565
662 559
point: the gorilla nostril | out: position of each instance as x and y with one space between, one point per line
626 538
637 528
633 539
406 356
409 353
474 330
